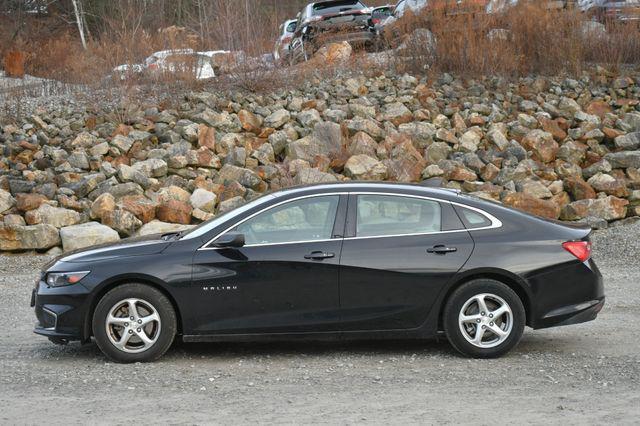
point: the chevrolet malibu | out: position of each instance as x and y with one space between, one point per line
331 261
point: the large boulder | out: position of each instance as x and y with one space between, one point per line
277 119
157 227
56 216
544 148
624 159
609 208
311 176
544 208
203 200
174 211
364 167
36 237
85 235
122 221
143 208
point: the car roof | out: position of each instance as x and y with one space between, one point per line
355 186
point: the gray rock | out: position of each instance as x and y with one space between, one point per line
230 204
36 237
245 177
86 235
277 119
363 167
203 200
624 160
55 216
311 176
123 143
157 227
629 142
153 167
124 222
6 201
309 118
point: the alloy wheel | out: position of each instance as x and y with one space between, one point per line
133 325
485 320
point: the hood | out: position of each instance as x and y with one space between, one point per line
139 246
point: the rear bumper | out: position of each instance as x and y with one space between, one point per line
568 294
573 314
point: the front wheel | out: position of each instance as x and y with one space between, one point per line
484 319
134 323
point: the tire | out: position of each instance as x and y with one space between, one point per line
500 327
153 313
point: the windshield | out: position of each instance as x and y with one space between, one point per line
336 7
211 224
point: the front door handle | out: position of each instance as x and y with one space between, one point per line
319 255
441 249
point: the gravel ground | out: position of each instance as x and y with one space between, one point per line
584 374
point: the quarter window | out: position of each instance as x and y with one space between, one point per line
473 219
309 219
383 215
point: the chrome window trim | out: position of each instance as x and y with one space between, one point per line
495 222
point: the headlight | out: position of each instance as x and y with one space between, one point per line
61 279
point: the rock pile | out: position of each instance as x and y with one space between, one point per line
561 148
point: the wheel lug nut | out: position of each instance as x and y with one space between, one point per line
484 327
131 318
482 313
139 321
490 323
126 324
130 331
490 315
478 321
139 330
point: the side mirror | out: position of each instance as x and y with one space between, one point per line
230 240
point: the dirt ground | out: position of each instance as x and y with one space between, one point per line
584 374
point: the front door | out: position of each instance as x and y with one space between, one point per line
285 278
397 260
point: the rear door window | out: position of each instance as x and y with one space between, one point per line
386 215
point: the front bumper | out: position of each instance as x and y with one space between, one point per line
60 312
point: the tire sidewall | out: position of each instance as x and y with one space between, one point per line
467 291
144 292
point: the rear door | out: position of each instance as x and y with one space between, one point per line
398 254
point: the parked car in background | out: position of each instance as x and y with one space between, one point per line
379 14
387 32
287 30
330 21
611 10
175 61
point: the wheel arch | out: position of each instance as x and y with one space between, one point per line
511 280
114 282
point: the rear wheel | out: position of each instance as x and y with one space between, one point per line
484 319
134 323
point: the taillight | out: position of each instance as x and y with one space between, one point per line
580 249
376 20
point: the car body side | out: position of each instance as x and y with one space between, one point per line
525 253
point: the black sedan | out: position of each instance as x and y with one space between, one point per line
332 261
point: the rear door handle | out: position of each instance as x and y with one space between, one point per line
441 249
319 255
